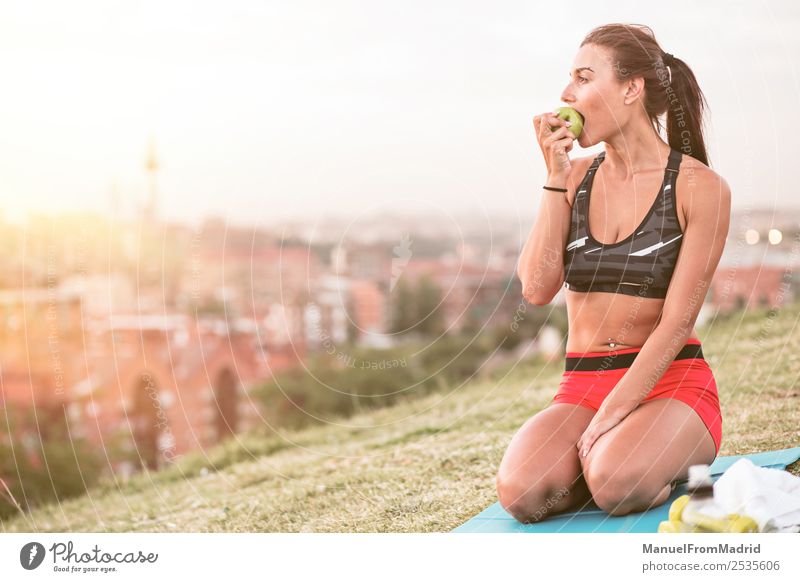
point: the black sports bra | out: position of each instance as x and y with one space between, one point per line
641 264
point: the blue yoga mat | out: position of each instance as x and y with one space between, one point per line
591 518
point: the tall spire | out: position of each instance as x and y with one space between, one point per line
151 165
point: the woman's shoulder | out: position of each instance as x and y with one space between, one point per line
695 172
713 191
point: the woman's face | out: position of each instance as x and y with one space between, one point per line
594 92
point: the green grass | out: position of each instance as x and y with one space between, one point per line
422 465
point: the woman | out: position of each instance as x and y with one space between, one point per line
637 404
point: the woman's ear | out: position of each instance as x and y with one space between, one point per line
634 90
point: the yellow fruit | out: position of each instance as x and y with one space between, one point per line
676 509
743 524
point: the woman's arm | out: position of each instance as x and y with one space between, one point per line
540 267
541 264
707 222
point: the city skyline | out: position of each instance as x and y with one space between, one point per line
266 112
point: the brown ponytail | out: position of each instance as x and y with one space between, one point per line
674 90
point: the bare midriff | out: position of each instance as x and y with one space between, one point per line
604 322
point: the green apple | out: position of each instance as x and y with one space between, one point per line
575 118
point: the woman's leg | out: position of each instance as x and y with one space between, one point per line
631 467
540 473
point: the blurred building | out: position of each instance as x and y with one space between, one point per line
145 387
758 263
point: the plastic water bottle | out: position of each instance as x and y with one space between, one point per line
700 510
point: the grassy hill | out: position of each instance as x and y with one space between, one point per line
423 465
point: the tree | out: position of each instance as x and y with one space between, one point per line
417 311
404 315
430 318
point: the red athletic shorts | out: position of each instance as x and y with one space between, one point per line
590 376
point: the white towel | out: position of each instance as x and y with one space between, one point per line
770 496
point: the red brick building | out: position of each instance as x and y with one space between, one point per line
146 388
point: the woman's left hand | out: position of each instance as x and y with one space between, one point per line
602 422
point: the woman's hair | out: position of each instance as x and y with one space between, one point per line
635 53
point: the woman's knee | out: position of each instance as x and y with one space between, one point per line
529 502
617 489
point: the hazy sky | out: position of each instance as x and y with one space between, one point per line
265 110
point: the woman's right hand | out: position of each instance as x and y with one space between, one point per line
555 144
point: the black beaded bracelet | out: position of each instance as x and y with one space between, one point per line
555 189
